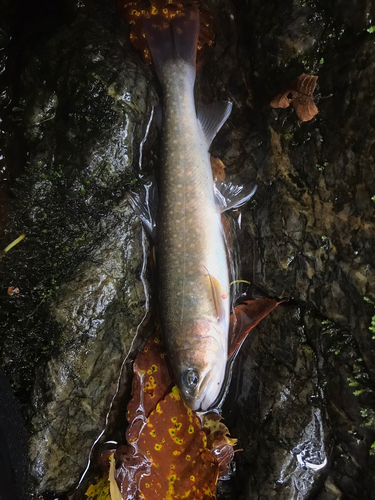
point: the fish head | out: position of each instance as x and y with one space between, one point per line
199 363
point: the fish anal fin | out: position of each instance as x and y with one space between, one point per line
212 117
245 317
219 296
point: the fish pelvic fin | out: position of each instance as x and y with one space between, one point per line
229 196
174 40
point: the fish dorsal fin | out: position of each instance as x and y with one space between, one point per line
212 117
218 294
229 196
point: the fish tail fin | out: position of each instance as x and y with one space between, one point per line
174 40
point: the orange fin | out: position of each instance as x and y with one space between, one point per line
219 296
245 317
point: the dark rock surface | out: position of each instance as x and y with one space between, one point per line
76 129
302 399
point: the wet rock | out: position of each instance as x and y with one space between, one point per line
75 139
99 311
278 410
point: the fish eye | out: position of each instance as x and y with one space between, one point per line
190 379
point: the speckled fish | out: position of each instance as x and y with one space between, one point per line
191 253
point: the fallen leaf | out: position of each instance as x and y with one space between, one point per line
174 442
218 441
217 166
170 453
245 317
99 490
151 383
12 290
113 487
300 95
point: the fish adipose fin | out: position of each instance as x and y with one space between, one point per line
230 196
212 117
175 40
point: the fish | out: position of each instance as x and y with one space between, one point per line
193 276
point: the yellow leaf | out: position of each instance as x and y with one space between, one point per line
113 486
100 490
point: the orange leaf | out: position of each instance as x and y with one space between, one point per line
306 84
284 99
305 108
167 455
151 383
181 464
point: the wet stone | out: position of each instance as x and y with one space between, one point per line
75 137
98 310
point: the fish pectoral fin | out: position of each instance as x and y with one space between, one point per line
230 196
144 203
218 295
212 117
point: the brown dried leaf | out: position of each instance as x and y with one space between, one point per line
305 108
300 94
218 172
306 84
284 99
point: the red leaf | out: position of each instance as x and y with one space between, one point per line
245 317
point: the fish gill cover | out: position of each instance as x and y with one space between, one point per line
162 13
